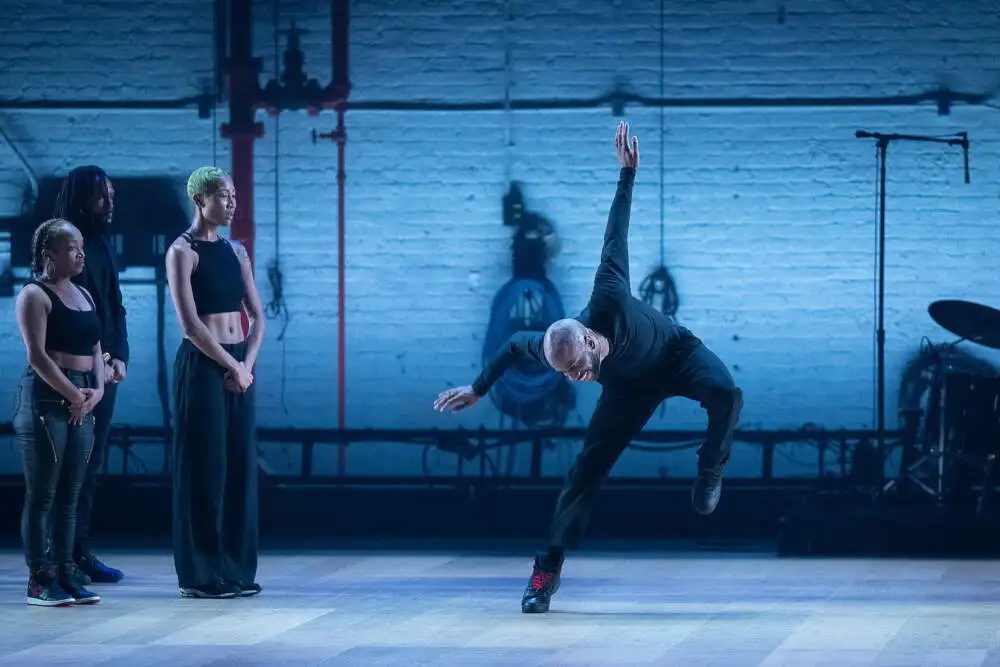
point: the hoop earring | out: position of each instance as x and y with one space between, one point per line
48 269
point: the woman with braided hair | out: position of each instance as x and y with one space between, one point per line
215 453
53 419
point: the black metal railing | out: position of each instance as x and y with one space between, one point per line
472 445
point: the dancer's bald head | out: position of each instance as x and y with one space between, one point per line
571 349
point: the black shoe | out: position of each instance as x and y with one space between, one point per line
215 591
81 577
44 590
707 490
542 586
246 590
96 572
69 581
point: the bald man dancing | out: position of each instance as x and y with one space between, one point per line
640 357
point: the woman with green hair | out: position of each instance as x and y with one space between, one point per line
215 456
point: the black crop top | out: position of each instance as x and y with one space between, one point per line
217 281
68 330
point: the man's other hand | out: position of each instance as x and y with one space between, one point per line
455 399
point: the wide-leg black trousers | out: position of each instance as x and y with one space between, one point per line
215 531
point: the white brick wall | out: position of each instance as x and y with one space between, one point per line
769 211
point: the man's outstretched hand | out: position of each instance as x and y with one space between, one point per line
628 154
455 399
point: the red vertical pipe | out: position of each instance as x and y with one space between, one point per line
244 229
339 91
242 129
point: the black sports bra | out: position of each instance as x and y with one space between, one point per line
217 281
68 330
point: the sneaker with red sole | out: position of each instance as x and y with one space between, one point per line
542 585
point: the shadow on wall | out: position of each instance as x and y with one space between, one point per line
529 301
149 215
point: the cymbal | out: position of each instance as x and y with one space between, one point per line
968 320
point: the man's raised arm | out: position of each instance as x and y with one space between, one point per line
613 272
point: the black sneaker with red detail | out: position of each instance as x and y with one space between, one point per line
542 585
44 590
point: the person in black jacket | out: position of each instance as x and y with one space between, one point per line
640 357
87 200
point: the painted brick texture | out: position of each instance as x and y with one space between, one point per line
768 213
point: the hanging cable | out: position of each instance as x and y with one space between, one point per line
663 260
875 299
276 307
518 416
215 77
658 289
530 394
508 114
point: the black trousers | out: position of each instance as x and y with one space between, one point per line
214 473
103 414
54 455
619 417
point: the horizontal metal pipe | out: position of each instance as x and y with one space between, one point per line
427 436
204 104
610 99
618 99
508 482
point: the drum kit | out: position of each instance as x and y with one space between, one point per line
953 446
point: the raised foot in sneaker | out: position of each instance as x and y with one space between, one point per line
707 490
542 585
44 590
216 591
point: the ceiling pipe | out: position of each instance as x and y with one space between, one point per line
203 103
619 98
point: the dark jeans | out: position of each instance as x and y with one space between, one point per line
619 417
55 455
103 414
214 473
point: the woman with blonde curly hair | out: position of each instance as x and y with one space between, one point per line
215 455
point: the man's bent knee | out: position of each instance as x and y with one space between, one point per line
725 402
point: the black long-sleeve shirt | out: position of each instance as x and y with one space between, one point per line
641 338
100 277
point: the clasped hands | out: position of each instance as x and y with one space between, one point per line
84 403
238 379
114 371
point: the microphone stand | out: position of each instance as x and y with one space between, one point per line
882 145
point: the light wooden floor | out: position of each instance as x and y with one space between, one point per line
459 608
